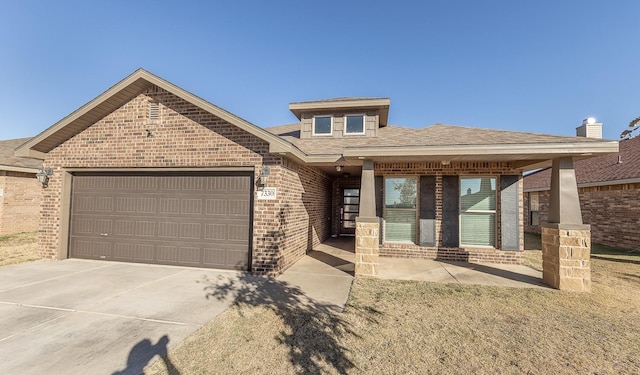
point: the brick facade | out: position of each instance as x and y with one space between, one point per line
185 136
613 211
471 254
19 203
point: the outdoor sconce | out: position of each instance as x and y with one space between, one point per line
43 176
262 177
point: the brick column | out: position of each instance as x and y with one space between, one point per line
566 250
367 246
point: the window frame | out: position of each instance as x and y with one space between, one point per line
494 212
364 123
415 209
313 126
537 208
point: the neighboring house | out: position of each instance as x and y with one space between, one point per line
609 188
148 172
19 190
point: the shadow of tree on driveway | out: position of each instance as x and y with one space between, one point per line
314 328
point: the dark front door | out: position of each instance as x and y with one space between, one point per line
349 210
200 220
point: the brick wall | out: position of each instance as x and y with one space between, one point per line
304 212
471 254
186 136
19 203
613 211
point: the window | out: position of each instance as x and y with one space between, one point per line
478 211
534 208
400 208
354 124
322 125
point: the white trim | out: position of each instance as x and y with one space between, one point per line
364 123
10 168
313 126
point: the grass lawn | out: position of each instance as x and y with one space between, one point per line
18 248
411 327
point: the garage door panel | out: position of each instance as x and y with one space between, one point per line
196 220
191 231
146 228
167 254
216 207
187 254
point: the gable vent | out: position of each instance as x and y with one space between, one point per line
154 111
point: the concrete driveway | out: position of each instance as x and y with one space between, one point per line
96 317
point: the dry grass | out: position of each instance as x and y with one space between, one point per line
405 327
18 248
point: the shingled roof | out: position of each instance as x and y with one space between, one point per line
434 135
8 159
612 168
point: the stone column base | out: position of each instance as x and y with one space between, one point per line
367 246
566 251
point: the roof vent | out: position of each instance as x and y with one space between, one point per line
590 128
154 111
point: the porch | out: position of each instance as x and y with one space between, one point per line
326 272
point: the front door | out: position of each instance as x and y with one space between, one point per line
349 211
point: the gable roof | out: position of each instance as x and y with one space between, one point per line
121 93
450 142
10 162
616 168
437 142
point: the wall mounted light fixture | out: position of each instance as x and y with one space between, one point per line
263 176
338 168
43 176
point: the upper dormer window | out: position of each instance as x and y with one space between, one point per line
354 124
322 125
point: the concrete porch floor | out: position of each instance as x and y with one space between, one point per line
326 273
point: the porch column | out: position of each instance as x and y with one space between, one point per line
566 241
367 225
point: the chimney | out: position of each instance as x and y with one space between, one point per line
589 129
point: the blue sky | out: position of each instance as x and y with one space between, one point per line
539 66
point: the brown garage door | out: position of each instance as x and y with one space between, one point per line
189 220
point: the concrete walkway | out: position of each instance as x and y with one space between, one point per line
326 273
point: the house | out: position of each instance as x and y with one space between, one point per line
19 190
148 172
609 188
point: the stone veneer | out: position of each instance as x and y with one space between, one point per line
566 251
367 248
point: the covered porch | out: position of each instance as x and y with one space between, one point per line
326 273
